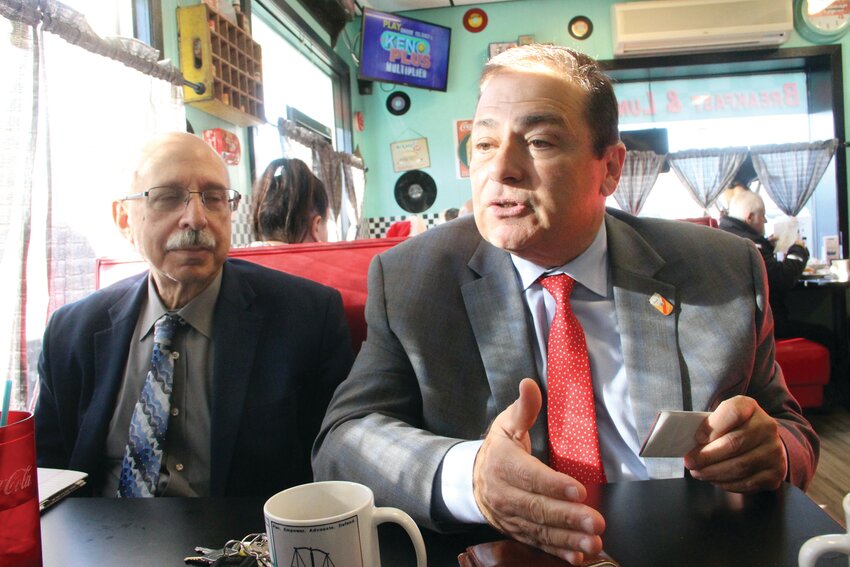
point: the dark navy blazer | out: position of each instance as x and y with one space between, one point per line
282 346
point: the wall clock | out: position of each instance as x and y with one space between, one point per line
822 21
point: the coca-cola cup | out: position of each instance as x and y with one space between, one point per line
20 528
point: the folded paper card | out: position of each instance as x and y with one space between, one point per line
56 484
672 434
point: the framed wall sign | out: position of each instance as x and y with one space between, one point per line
496 48
410 154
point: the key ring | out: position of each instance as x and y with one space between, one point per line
256 545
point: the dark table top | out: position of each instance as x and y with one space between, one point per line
649 523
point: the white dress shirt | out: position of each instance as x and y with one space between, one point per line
592 301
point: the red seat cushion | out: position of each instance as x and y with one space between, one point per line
805 365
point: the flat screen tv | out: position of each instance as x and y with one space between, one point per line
404 51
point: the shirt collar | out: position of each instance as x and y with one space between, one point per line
198 313
590 268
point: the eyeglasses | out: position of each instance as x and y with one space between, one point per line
173 199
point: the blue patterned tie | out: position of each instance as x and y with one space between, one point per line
143 455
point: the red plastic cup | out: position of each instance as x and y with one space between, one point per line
20 527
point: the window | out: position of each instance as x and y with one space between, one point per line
738 100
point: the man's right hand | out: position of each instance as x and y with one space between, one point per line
524 498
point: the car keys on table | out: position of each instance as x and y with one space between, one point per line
250 551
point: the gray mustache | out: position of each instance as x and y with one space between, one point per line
190 238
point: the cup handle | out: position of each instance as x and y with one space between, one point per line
817 546
401 518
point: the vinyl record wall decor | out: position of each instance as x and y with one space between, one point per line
398 103
475 20
415 191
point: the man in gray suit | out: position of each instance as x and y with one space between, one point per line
429 416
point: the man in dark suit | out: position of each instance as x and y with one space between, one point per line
256 356
675 318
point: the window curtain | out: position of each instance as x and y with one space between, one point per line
791 172
75 108
640 171
706 173
18 124
341 173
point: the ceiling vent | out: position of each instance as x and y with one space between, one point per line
688 26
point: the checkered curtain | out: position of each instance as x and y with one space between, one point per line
706 173
640 171
19 59
791 172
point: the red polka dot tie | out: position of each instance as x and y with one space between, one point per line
573 437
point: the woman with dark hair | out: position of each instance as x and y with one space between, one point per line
289 206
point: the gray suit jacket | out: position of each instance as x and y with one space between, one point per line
449 340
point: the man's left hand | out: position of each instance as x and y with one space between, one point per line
739 448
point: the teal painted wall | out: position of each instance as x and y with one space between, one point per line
432 114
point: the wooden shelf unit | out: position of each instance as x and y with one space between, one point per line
216 52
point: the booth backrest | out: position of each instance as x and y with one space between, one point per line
340 265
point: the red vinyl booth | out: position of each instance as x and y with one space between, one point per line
805 365
340 265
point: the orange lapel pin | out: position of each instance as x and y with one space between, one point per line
658 301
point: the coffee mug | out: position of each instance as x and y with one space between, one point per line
833 543
331 523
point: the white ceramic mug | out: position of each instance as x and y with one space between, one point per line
331 523
833 543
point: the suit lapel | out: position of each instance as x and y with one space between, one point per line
649 338
236 330
111 347
492 302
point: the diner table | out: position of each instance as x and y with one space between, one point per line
649 524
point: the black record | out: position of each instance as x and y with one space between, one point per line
415 191
398 103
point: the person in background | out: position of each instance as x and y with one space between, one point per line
746 218
289 207
459 324
449 214
245 358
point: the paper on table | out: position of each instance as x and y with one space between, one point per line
672 434
56 484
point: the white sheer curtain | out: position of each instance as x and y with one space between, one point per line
18 123
791 172
69 122
640 171
706 173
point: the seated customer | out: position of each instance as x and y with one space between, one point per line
290 207
245 359
520 353
746 218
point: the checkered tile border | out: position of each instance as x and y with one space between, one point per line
241 235
378 226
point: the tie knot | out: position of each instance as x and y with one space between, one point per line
559 285
165 326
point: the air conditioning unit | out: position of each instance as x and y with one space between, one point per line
688 26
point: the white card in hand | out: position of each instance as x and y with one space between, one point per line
672 434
